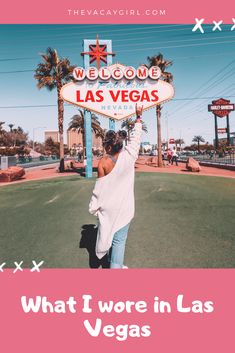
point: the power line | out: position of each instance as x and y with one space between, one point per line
83 27
175 58
137 36
71 105
200 108
204 85
177 46
17 59
180 57
219 80
151 30
173 41
164 47
77 35
14 72
114 31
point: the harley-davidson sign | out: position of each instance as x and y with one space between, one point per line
113 91
221 107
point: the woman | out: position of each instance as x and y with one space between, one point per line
169 156
174 157
113 196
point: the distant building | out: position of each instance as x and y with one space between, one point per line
96 142
74 138
54 135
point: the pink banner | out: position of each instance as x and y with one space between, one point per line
144 326
182 11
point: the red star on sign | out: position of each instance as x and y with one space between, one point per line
97 53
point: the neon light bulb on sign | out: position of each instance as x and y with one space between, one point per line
154 72
79 73
142 73
105 73
117 73
130 73
92 73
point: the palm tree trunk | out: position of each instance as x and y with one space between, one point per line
61 126
159 135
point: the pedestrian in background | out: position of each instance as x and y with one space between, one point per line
174 157
169 155
80 152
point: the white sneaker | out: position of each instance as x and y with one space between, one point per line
124 267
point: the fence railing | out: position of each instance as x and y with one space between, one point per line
28 162
227 159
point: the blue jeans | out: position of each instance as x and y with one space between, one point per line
116 253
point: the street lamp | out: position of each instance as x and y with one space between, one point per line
36 128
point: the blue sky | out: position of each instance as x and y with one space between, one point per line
203 69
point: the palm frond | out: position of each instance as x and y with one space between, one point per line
144 127
163 64
78 121
53 71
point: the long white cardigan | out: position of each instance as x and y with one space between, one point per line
113 195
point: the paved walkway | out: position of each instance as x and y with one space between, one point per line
50 171
181 169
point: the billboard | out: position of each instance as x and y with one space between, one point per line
221 107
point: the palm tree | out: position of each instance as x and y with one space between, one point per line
20 130
11 127
163 64
77 123
101 134
53 73
179 142
128 125
198 139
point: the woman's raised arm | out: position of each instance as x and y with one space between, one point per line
133 145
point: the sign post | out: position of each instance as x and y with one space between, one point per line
94 51
228 130
87 126
221 108
216 133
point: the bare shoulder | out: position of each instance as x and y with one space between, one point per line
103 161
101 167
105 166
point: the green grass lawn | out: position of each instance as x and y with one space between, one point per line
180 221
